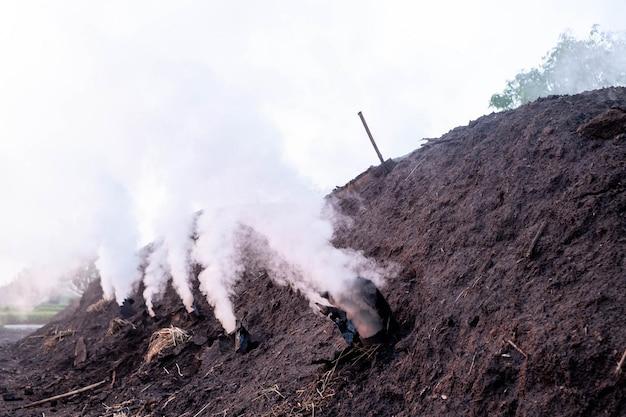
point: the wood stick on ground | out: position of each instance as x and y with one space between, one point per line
201 410
461 294
467 289
178 369
172 397
413 170
139 413
618 370
510 342
533 243
50 385
472 365
67 394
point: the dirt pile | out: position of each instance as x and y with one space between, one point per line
511 301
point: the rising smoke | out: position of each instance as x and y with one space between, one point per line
208 186
119 123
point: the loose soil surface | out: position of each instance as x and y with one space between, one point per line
510 234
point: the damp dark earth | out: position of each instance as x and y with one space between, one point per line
509 298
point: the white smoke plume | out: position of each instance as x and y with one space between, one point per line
156 275
220 158
217 251
122 175
119 121
239 183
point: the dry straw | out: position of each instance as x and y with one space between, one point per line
98 306
117 324
164 339
51 340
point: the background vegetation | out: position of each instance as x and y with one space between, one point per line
571 67
39 315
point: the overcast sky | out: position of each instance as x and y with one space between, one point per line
80 79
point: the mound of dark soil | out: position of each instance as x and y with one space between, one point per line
511 237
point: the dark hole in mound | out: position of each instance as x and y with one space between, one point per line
368 308
340 318
243 340
126 309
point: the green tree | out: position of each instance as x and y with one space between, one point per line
79 279
570 67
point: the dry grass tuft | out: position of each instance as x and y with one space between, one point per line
122 409
51 340
314 397
164 339
116 325
618 370
98 306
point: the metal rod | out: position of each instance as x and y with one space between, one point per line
367 129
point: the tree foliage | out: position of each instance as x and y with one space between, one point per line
79 280
570 67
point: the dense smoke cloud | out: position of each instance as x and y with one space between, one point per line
120 122
216 157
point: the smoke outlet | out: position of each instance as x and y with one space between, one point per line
361 313
243 339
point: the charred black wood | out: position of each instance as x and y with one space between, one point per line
361 313
345 325
243 340
126 309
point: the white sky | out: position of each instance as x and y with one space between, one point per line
71 71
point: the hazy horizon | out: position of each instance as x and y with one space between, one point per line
113 115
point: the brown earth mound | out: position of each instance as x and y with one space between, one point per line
511 235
